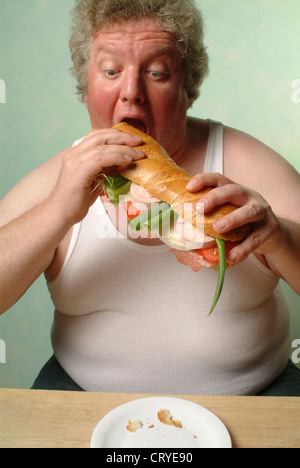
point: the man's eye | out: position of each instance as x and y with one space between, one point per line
158 75
110 73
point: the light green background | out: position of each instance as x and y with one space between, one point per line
254 47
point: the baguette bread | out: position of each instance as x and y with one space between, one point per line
163 179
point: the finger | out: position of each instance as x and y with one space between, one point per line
110 156
251 244
199 181
247 214
110 136
229 193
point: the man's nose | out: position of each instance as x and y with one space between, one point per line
133 90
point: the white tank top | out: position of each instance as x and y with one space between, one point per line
130 318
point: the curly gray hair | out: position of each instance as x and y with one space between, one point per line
180 17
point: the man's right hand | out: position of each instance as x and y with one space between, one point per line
37 214
100 149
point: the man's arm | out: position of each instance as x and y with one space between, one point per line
37 214
30 230
266 190
27 247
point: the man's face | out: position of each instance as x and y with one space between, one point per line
135 74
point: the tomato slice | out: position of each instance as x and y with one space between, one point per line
131 211
211 254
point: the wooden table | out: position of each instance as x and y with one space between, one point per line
40 419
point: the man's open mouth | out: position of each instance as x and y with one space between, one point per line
138 124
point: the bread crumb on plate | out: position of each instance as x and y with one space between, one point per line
177 423
165 417
134 426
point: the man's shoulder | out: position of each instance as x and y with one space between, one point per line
31 190
252 163
243 153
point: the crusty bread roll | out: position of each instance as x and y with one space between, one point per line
163 179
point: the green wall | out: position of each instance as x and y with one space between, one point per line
254 85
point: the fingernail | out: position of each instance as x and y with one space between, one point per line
191 185
139 152
232 257
220 225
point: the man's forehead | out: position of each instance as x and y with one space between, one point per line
133 33
110 49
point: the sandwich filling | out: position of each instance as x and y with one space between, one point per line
190 245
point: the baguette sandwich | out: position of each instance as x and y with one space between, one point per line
158 182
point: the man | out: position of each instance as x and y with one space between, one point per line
126 320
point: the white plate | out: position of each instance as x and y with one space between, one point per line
201 428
